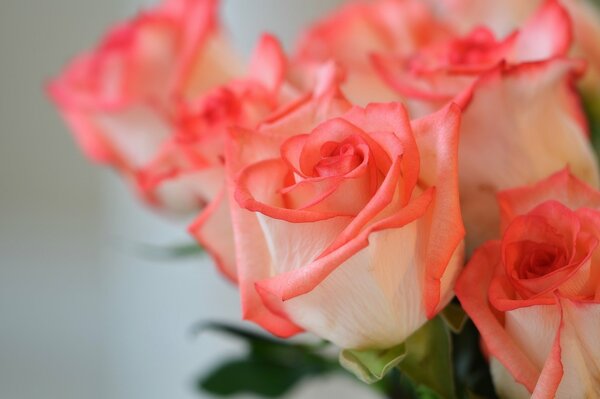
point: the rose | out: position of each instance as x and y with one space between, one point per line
346 221
535 294
351 34
433 75
129 97
505 16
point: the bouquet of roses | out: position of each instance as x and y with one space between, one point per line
406 152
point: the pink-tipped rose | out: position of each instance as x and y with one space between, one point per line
346 219
535 294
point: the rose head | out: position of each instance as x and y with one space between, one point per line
535 294
346 220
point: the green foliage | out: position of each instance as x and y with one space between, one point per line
371 366
425 358
270 367
455 317
172 252
442 360
434 363
263 378
428 360
591 105
471 370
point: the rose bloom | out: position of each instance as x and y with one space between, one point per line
521 116
535 294
346 219
506 15
356 31
149 86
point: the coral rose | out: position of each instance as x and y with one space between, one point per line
535 294
346 220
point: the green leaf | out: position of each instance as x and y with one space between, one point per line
455 317
239 332
270 367
372 365
251 376
471 369
428 360
170 252
591 106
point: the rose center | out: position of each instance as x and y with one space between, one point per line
338 159
474 49
541 261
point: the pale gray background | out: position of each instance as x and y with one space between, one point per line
81 315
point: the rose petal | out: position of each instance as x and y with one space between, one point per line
581 350
214 232
562 187
472 291
437 140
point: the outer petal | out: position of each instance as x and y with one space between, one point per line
268 64
501 16
505 384
186 192
360 296
437 139
356 271
536 131
586 27
206 59
537 331
546 34
561 186
472 291
581 354
213 230
251 249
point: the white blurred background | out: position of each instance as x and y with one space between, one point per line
82 314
